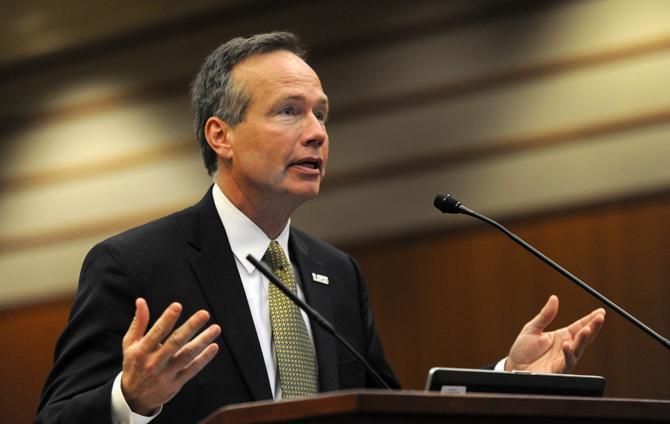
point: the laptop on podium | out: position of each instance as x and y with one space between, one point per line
465 380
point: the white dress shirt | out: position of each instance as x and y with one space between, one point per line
245 238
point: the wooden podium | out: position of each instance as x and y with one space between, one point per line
375 406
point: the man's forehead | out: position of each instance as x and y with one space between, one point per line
280 69
322 98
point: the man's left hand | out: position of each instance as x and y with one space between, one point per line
555 351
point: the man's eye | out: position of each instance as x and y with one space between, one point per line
321 116
288 110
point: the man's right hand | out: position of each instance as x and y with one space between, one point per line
157 364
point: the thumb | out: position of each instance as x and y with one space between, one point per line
139 324
545 317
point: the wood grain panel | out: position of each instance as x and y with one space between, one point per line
458 298
29 334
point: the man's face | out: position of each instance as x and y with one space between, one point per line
279 152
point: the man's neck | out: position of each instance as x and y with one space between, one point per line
270 215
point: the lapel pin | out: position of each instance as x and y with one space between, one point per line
318 278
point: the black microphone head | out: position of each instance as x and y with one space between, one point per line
447 203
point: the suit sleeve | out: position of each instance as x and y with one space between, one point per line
374 352
88 354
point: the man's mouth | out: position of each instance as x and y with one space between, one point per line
308 163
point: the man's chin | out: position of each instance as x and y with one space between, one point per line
304 193
298 190
308 195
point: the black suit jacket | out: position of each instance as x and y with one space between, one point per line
186 257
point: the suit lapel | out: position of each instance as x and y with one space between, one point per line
213 263
317 296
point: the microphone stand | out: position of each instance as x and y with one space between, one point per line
313 314
448 204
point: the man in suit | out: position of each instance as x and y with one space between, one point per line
260 115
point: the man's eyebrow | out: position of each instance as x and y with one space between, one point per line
323 100
324 103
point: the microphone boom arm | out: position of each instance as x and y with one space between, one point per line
313 314
448 204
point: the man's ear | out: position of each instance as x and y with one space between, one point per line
217 133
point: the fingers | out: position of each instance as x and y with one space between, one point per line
198 363
597 323
574 350
580 342
178 342
595 320
570 358
558 350
194 355
157 364
545 317
162 327
587 333
139 324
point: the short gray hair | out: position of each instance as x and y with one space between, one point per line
213 92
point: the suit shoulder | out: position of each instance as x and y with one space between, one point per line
152 229
147 248
157 235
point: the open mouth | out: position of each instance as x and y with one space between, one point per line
308 163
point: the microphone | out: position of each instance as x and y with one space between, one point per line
314 315
448 204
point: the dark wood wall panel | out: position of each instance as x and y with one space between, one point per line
29 335
458 298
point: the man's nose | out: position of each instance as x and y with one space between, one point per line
315 131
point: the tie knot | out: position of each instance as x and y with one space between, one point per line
275 256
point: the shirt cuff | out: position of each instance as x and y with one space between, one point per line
121 412
500 366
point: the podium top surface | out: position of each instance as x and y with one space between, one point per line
420 406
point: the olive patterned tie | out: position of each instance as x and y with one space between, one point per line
295 353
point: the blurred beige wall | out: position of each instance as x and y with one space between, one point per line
525 109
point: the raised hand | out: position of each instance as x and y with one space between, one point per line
158 364
556 351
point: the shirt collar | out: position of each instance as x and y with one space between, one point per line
244 236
